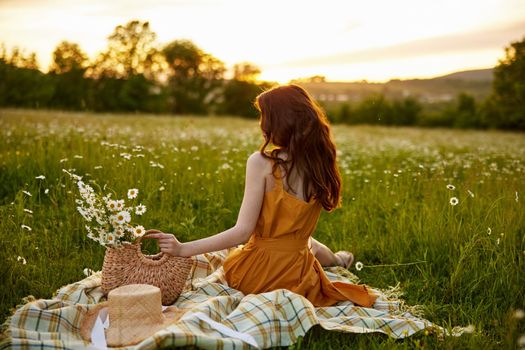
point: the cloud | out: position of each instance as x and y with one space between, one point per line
486 38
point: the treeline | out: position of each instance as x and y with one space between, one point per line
504 108
136 74
133 74
463 112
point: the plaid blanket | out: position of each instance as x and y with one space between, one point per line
217 317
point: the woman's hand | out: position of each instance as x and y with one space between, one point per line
167 242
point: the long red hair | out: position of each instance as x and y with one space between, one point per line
292 121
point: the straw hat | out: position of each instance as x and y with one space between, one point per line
135 313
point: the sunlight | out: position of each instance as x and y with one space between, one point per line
277 34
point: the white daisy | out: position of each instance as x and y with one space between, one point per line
112 205
120 204
28 211
122 217
519 314
87 272
111 238
19 258
451 187
139 231
140 209
27 193
132 193
25 227
454 201
521 341
40 177
119 231
46 191
359 266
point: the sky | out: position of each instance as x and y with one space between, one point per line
344 40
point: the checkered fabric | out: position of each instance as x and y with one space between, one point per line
269 319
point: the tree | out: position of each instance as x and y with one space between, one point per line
508 96
374 109
246 71
238 94
68 67
195 77
21 83
68 57
19 59
316 79
131 51
405 111
129 70
466 114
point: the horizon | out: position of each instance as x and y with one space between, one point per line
348 44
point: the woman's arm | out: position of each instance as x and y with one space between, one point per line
256 168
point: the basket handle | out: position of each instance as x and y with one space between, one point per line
161 256
139 240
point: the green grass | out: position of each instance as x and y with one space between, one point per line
395 209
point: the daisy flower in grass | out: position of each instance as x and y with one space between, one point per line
140 209
132 193
454 201
451 187
359 266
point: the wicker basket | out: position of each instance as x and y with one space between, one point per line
128 265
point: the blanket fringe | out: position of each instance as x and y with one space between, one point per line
396 293
4 328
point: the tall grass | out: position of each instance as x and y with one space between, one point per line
464 263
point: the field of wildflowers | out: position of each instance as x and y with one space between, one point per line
439 212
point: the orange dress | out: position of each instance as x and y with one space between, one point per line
277 254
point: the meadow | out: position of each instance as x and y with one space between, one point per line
438 212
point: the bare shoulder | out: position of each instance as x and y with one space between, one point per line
259 163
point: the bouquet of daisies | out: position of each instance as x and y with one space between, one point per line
108 221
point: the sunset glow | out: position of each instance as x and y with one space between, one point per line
342 40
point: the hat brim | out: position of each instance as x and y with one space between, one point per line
130 335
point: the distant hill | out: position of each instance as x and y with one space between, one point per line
471 75
477 83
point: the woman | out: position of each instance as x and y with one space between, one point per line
285 190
